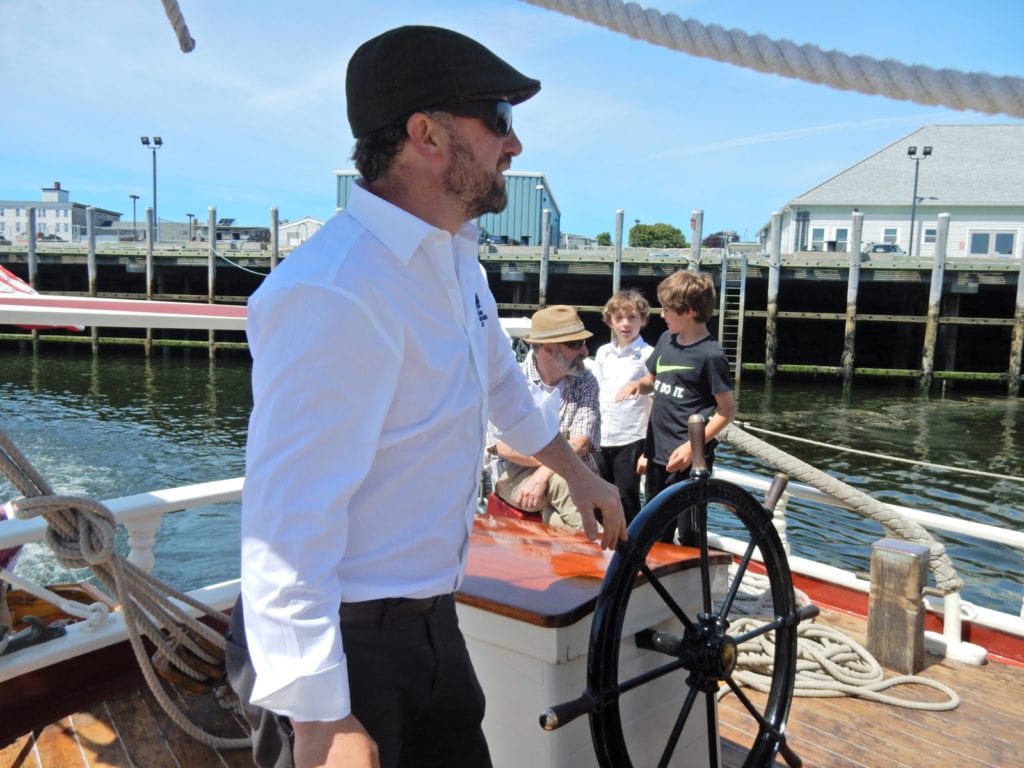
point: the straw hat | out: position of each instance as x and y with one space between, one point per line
555 324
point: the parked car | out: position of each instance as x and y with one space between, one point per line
887 248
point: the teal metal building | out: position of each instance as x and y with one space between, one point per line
522 221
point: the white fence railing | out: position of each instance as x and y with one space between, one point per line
142 513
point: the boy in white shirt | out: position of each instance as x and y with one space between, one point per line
623 422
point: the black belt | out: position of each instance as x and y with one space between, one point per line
386 609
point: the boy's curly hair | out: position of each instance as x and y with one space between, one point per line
626 301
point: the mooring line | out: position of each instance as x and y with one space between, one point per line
845 449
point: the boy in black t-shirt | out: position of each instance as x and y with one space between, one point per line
688 373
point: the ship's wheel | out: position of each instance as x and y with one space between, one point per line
684 661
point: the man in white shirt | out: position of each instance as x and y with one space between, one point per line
378 360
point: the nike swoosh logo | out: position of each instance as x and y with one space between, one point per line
659 368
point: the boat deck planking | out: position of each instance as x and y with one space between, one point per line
130 730
982 732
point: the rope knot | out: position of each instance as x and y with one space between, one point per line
80 531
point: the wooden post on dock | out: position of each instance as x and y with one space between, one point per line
931 329
275 245
148 344
899 573
90 265
90 253
617 265
696 228
545 242
1017 339
211 267
852 287
771 339
33 262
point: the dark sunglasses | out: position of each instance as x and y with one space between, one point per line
497 115
574 344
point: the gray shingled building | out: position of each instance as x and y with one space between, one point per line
975 173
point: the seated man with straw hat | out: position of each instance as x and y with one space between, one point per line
555 367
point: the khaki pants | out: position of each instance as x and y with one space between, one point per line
556 508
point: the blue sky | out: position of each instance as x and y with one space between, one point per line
254 117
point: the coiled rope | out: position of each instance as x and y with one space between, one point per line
829 662
946 578
81 534
923 85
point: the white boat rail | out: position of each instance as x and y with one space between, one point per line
142 513
950 607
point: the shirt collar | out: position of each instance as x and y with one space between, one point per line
635 344
399 231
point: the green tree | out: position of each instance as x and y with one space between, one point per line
604 238
656 236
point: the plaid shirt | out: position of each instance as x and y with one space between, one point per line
579 412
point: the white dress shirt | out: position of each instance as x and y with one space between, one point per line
378 359
625 421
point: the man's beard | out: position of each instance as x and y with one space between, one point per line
477 190
570 366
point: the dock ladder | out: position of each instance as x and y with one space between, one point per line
732 296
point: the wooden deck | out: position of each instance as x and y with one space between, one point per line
984 731
131 731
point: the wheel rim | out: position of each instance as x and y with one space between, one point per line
686 662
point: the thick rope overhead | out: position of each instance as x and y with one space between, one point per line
895 524
922 85
185 41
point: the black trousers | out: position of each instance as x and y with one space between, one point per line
412 687
618 466
658 479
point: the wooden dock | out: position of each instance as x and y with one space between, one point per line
804 314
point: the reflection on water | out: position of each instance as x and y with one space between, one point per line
985 434
113 426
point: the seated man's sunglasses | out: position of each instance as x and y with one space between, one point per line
575 344
497 115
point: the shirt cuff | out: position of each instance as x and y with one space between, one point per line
323 696
532 433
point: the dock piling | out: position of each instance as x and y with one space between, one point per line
90 262
852 287
211 268
931 330
617 266
771 338
1017 338
545 256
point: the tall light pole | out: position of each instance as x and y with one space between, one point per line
912 154
134 200
157 143
190 217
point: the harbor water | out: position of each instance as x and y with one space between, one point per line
115 425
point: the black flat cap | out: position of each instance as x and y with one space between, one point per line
414 67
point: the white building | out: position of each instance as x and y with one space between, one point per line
293 233
57 218
975 173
